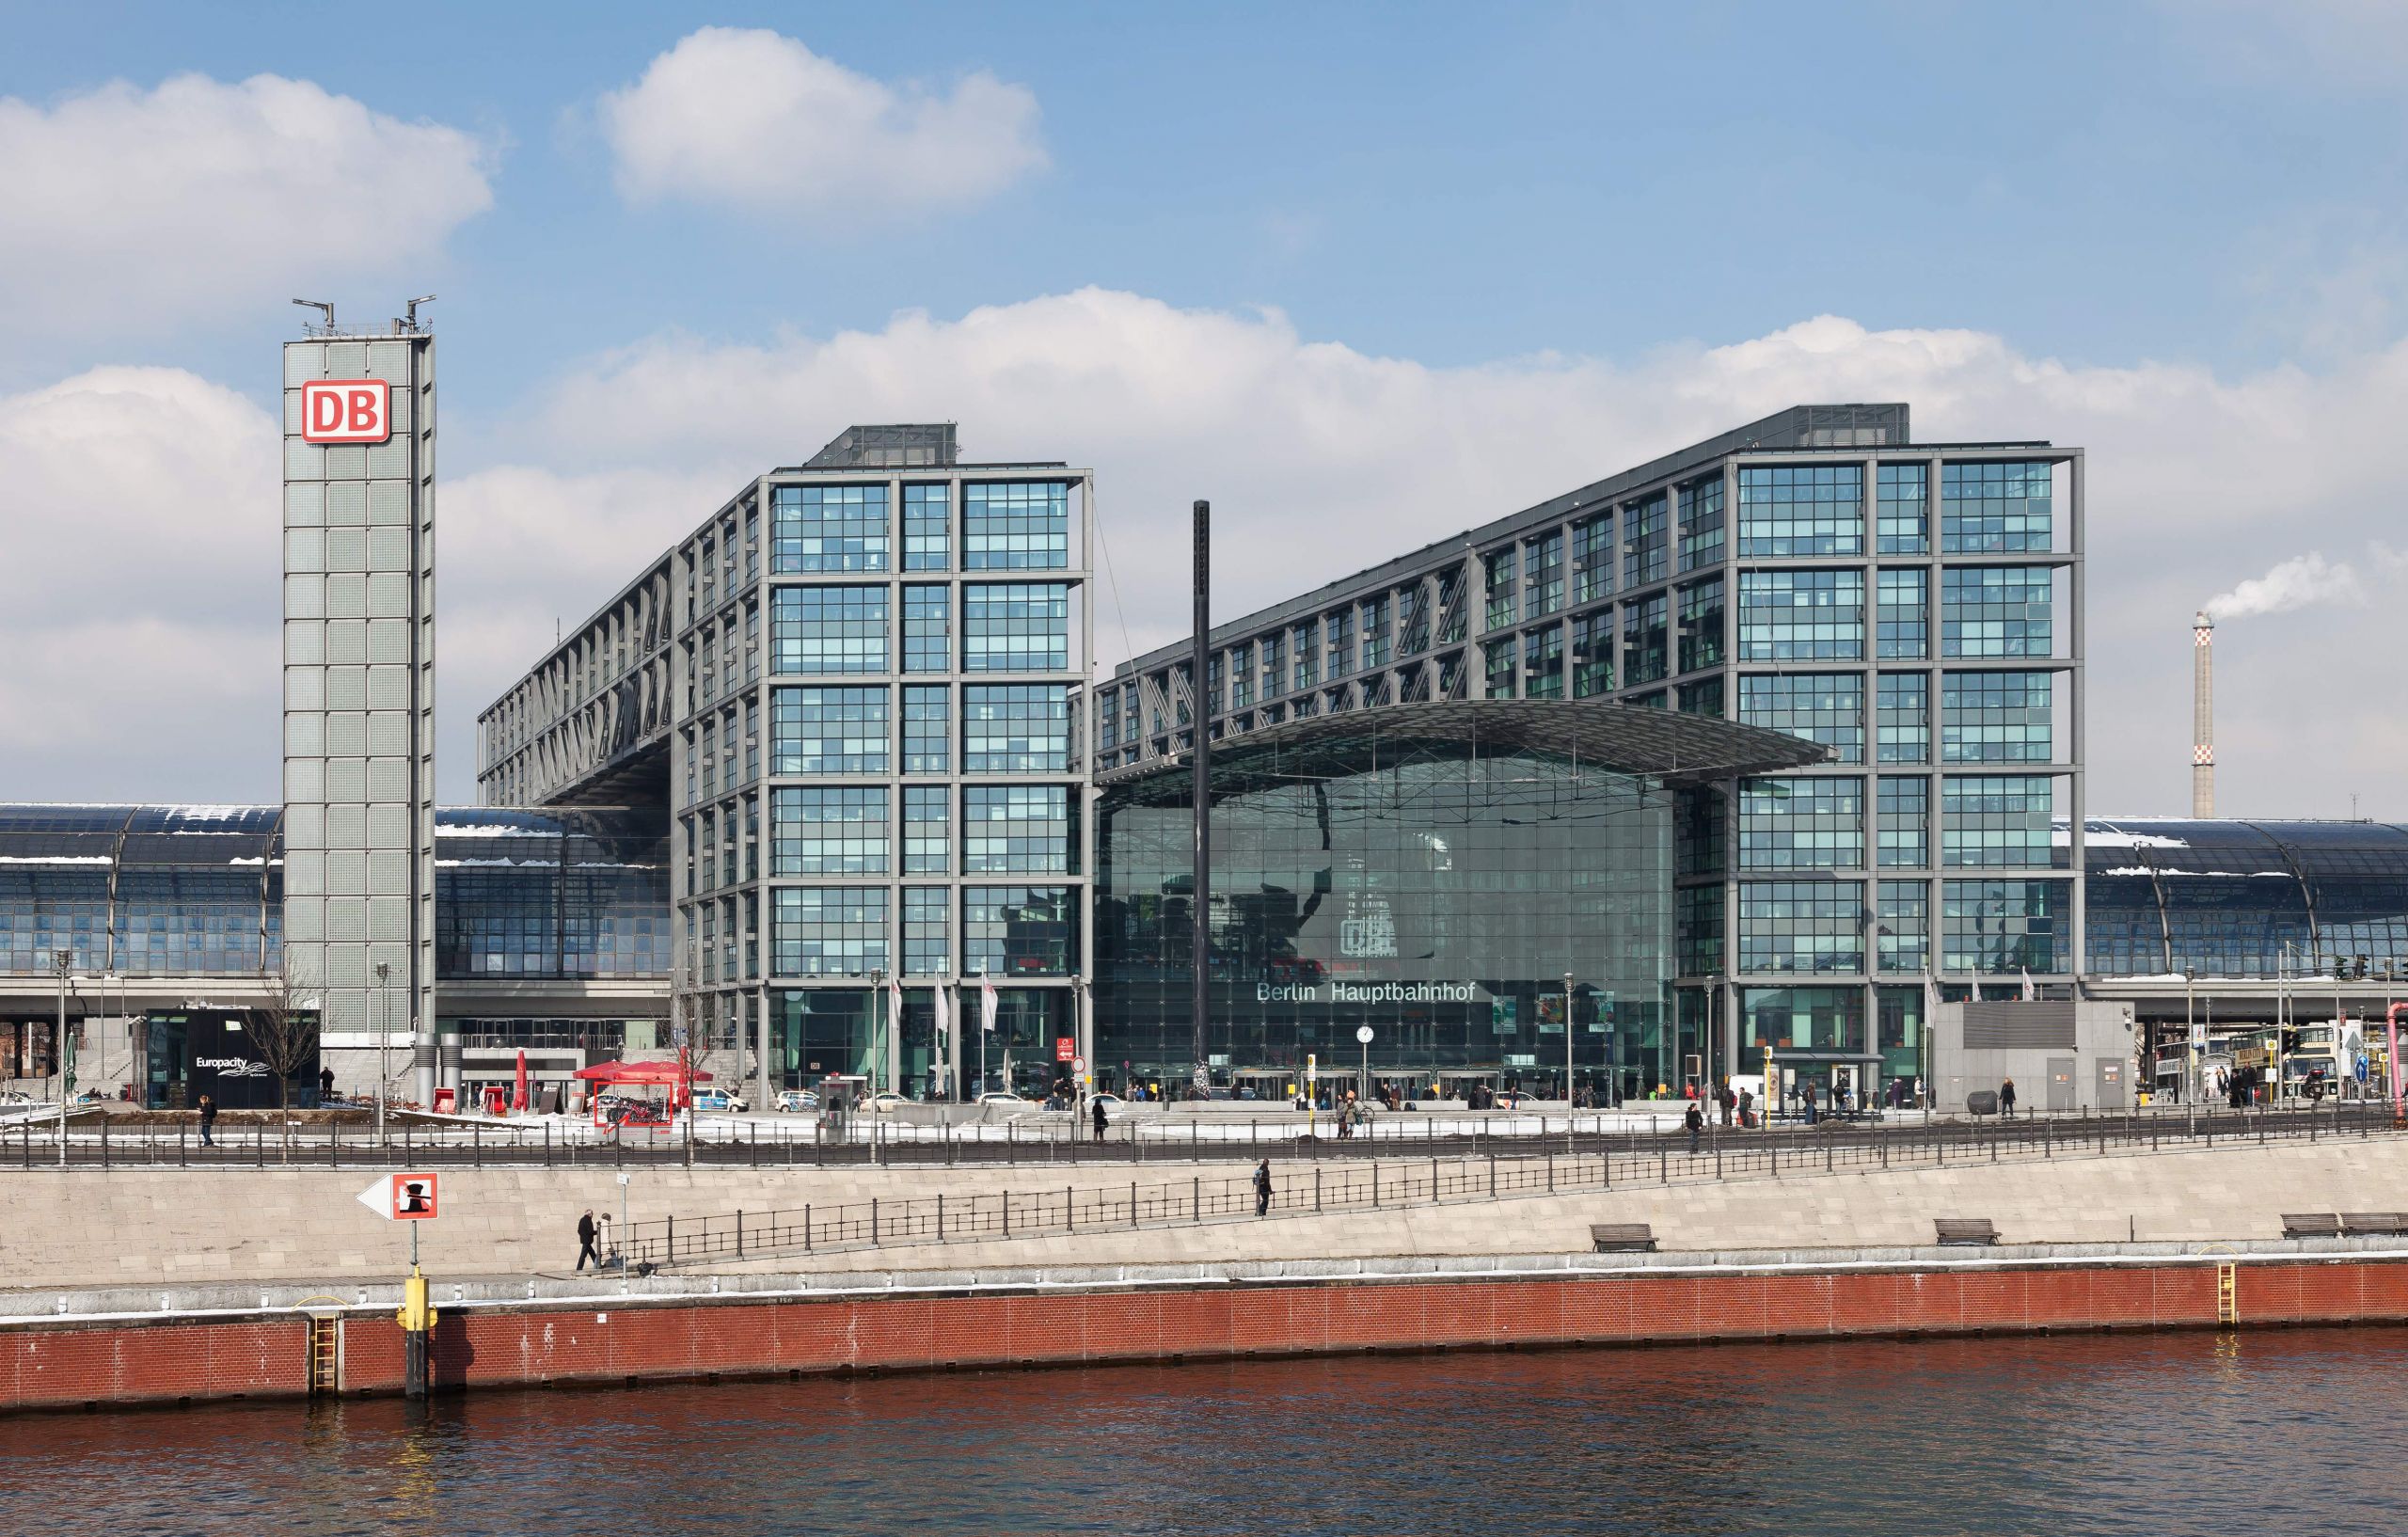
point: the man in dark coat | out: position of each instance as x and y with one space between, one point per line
1696 1120
208 1120
2006 1098
1099 1120
1263 1188
585 1235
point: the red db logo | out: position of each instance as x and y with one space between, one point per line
346 411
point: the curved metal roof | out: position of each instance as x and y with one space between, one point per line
1624 739
2223 898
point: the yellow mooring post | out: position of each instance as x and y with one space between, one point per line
417 1320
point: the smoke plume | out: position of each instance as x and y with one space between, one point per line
2295 583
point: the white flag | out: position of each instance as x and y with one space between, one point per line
945 1022
2028 994
895 1003
987 1003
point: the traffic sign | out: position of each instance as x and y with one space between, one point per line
1065 1048
1078 1064
402 1197
1363 1034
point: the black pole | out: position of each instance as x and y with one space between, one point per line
1200 719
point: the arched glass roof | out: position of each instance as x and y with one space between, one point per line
2243 898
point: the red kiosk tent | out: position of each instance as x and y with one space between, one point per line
678 1078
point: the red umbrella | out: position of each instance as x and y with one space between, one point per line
520 1103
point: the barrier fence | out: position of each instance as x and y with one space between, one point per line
1363 1181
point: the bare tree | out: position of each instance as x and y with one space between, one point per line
285 1029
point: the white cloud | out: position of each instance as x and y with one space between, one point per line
1319 460
759 121
2295 583
127 207
138 602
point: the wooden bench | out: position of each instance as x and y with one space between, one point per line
1965 1230
1622 1237
2370 1224
2311 1225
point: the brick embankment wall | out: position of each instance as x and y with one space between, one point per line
107 1362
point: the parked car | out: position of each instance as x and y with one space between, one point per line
718 1098
793 1100
1000 1097
1112 1103
1514 1099
882 1104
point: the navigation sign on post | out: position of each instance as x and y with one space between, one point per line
402 1197
1312 1068
1065 1048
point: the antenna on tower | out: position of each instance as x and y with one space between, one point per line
423 299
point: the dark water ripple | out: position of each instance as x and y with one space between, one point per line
2158 1435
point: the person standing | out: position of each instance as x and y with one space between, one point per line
208 1120
1807 1092
1099 1120
1747 1108
1696 1122
585 1236
2006 1098
1263 1188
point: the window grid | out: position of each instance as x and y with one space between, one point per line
1826 707
1703 697
1701 514
928 629
827 731
927 528
1593 558
1305 639
1802 616
1902 625
829 930
1995 717
1375 632
1904 724
1498 659
1996 610
1542 573
1016 526
1793 510
1902 925
1643 525
827 830
1016 628
1903 831
1543 663
927 828
1504 581
1593 654
1801 926
2003 928
928 727
1997 821
1803 823
1016 829
1992 509
827 528
1903 511
820 630
1017 728
1644 656
1702 624
926 931
1018 931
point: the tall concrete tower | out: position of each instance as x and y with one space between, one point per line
2203 716
359 690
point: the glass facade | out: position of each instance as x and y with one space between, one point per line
1789 616
1791 510
1826 707
1016 526
827 528
1439 896
1991 508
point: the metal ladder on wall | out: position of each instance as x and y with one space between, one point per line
325 1354
2227 1301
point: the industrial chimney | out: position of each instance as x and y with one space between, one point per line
2203 716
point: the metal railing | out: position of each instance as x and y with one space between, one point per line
95 1141
1373 1180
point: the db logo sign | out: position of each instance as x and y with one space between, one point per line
346 411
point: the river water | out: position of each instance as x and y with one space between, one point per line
2134 1435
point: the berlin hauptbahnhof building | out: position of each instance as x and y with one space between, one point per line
1766 753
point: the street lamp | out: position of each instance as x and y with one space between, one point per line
64 1056
1568 1096
876 1023
384 1040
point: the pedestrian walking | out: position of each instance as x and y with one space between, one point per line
1099 1120
1726 1101
1263 1188
1696 1120
586 1233
2006 1098
208 1121
326 1084
1747 1108
1807 1092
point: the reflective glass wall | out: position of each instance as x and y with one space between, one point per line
1440 897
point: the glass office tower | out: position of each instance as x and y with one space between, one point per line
851 688
1916 608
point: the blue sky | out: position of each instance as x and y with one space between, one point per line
1555 239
